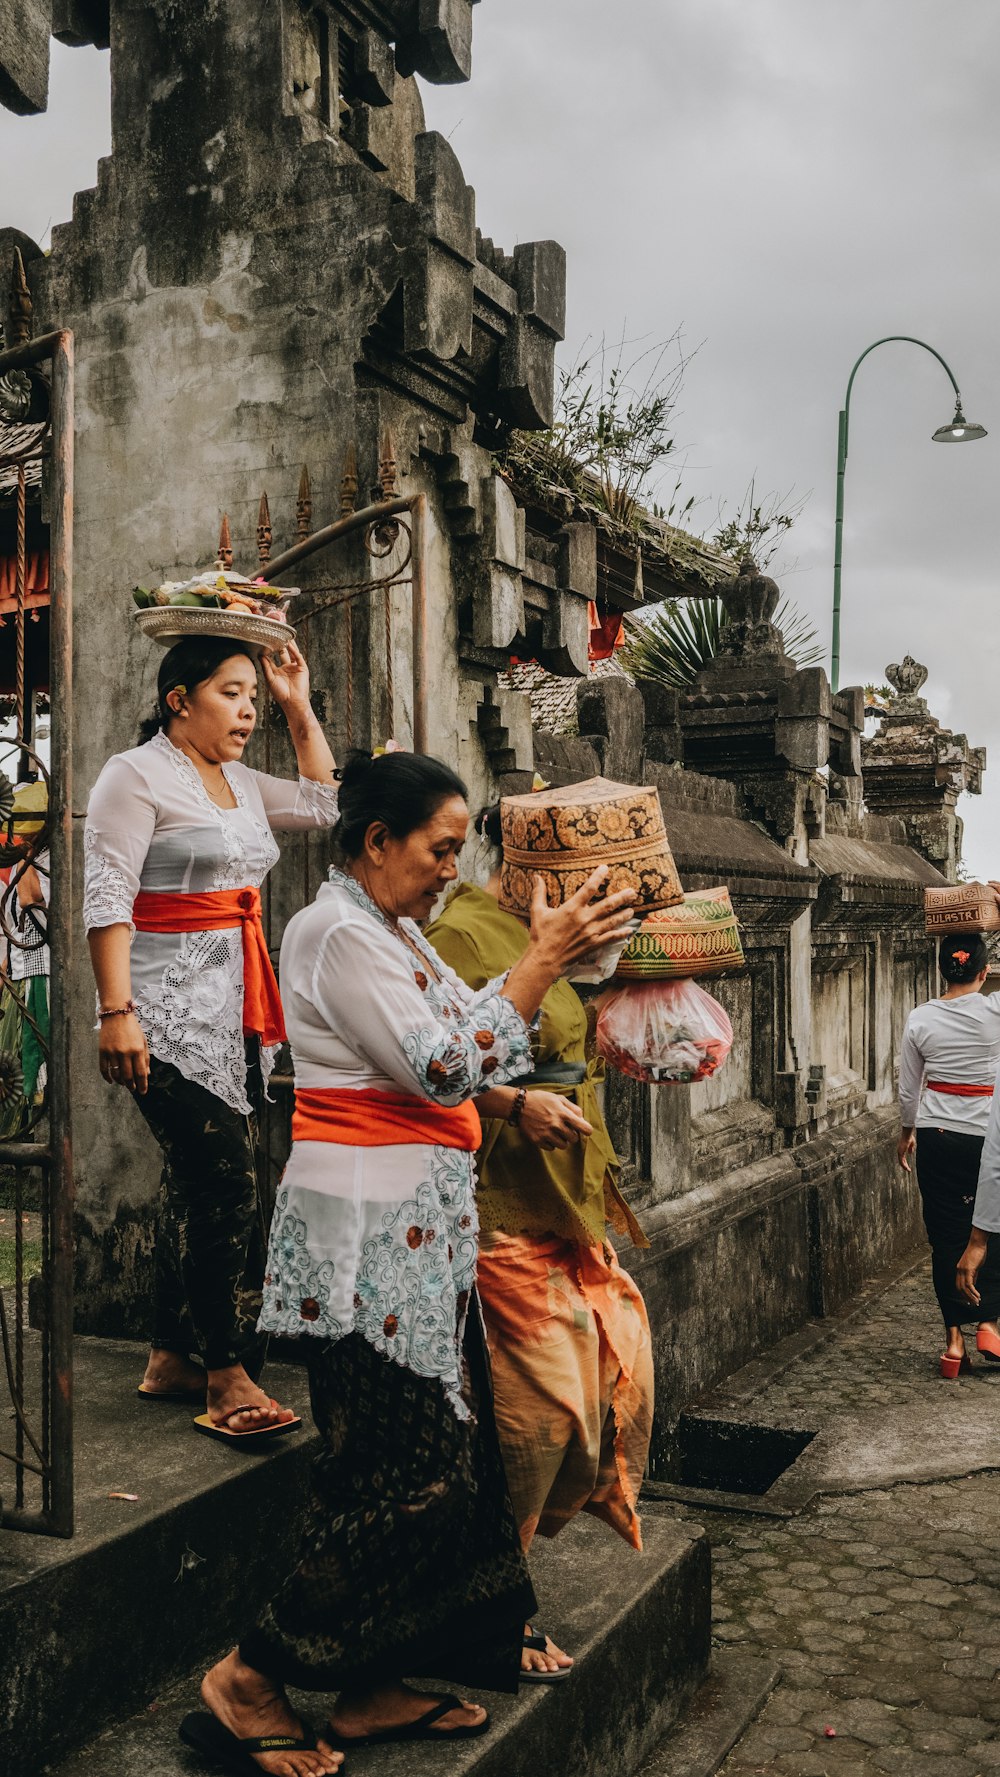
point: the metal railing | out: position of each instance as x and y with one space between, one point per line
36 1315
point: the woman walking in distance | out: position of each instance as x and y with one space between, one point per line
947 1069
179 838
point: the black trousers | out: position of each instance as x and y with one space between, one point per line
211 1241
947 1174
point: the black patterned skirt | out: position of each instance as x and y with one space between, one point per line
410 1563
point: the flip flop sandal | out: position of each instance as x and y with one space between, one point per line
247 1440
206 1735
421 1729
171 1394
537 1643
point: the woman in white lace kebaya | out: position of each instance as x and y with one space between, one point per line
179 838
410 1560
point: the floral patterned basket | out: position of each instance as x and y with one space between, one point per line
562 835
963 907
701 936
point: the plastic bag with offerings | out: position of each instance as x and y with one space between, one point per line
665 1031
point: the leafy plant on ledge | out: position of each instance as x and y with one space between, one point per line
680 637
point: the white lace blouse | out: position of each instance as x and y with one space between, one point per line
382 1241
151 824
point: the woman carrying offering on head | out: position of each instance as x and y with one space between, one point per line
566 1326
179 838
410 1561
947 1070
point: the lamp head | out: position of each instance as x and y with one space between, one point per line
959 430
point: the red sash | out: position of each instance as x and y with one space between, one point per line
370 1119
262 1014
959 1089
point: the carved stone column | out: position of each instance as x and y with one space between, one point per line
916 770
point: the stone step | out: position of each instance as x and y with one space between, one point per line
101 1630
637 1626
91 1627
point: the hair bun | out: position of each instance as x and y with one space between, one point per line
355 767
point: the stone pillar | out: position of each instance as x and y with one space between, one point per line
916 770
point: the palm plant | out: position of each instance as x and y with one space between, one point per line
678 639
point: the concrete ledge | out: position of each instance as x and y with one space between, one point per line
92 1627
732 1696
638 1626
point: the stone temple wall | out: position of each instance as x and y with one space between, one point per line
280 268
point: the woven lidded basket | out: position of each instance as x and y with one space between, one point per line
562 835
700 936
963 907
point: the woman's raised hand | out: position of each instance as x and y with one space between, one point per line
583 923
286 675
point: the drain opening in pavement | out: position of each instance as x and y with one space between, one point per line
729 1456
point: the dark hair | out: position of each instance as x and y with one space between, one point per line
488 825
402 789
963 957
188 663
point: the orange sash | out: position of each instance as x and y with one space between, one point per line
959 1088
370 1119
262 1014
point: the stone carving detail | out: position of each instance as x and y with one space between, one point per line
906 679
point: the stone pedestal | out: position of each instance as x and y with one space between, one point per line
916 770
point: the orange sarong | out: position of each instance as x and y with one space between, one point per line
365 1118
221 911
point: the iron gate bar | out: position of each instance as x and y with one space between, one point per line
55 1518
416 505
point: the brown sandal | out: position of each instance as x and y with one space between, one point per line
260 1434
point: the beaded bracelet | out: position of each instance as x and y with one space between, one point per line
517 1107
117 1011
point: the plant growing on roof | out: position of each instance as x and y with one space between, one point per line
612 430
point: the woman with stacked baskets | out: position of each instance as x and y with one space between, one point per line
947 1071
179 839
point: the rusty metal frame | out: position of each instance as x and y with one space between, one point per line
43 1429
368 520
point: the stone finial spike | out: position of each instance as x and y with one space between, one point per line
304 505
264 531
225 555
387 465
21 308
349 482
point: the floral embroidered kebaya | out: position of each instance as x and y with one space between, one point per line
382 1241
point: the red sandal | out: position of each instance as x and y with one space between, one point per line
953 1367
988 1344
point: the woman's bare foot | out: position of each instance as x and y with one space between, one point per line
231 1388
956 1343
252 1708
552 1660
359 1713
170 1372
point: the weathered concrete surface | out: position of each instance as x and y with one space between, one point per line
882 1605
638 1627
24 54
144 1588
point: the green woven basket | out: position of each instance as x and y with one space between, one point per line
700 936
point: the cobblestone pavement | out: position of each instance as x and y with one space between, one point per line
883 1607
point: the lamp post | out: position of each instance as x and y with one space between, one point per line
958 431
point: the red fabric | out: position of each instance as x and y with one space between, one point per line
959 1089
262 1014
606 633
366 1118
36 573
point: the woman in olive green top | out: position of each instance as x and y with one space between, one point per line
567 1328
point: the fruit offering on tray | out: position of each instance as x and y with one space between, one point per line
218 589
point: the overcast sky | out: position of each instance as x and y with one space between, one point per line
785 181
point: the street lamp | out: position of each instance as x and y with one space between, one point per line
958 431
